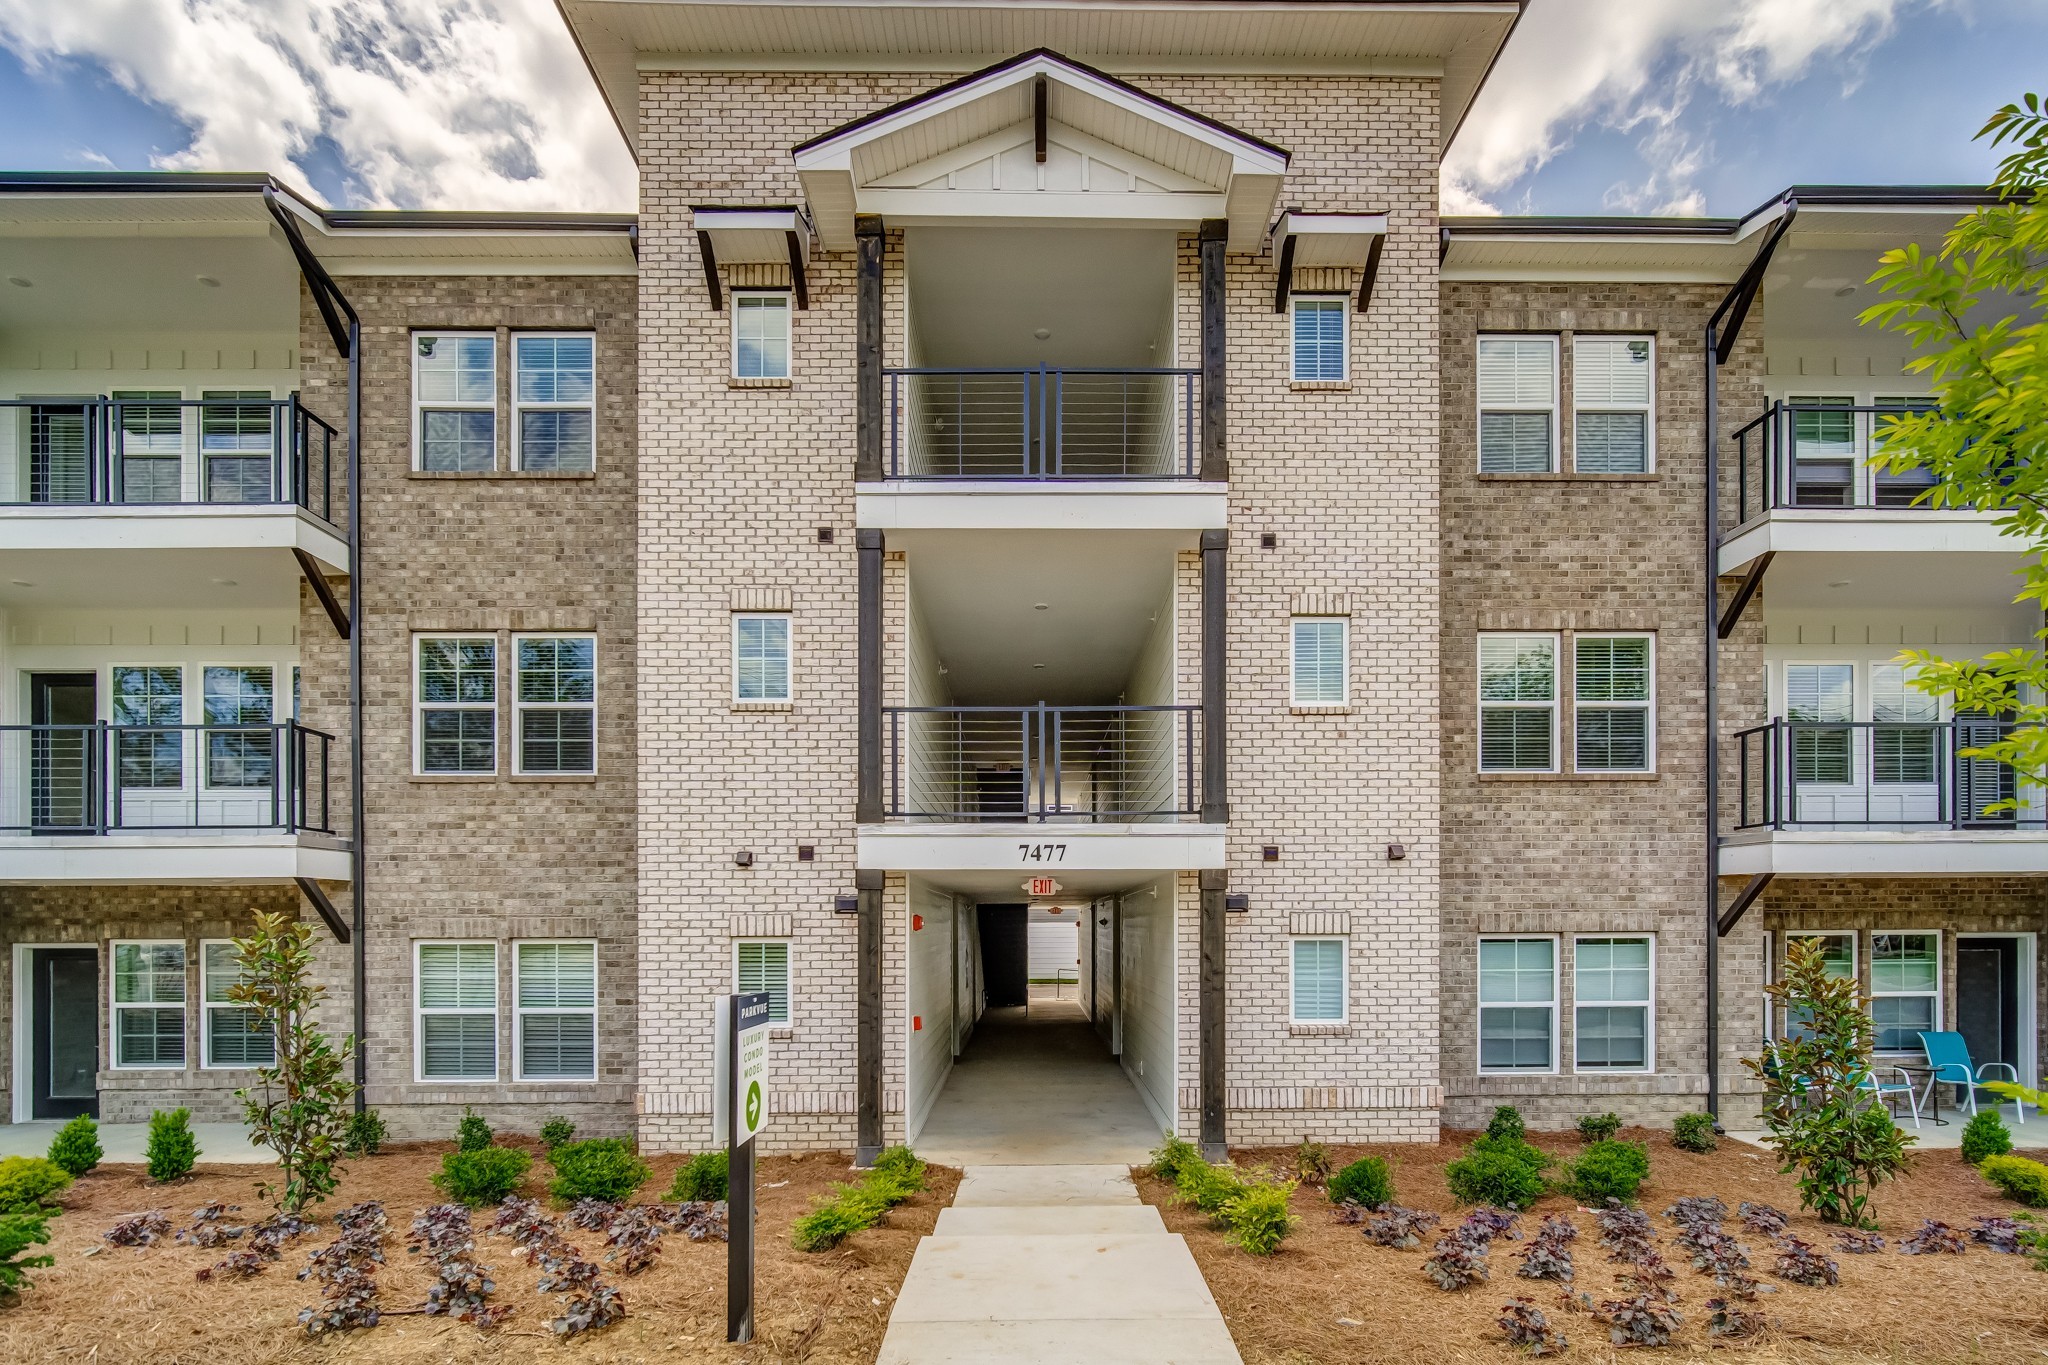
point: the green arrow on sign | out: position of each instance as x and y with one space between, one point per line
753 1104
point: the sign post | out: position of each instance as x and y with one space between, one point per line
739 1112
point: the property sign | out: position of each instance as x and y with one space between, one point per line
739 1111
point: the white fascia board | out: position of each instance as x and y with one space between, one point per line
172 859
753 236
117 528
913 208
1088 848
994 505
1860 853
1889 530
1330 239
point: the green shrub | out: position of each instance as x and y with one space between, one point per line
602 1168
77 1146
27 1181
2019 1178
703 1176
1257 1217
1206 1187
1171 1155
1506 1122
902 1165
1693 1132
472 1134
847 1210
362 1133
485 1176
1984 1135
1609 1170
1312 1163
1599 1127
1364 1182
172 1148
19 1232
1506 1171
556 1132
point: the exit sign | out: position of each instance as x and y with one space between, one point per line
1041 886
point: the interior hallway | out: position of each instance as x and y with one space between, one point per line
1038 1091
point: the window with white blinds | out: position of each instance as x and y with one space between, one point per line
760 657
1320 338
760 335
235 1036
455 401
457 1005
1611 404
1320 672
1517 405
554 401
556 994
554 703
1611 704
455 704
148 1023
1817 698
763 965
1518 1004
1319 981
1905 989
1904 740
152 444
1611 992
1517 703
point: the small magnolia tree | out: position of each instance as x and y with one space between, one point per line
300 1105
1833 1137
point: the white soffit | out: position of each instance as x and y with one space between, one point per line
754 236
1330 239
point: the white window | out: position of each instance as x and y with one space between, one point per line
554 401
1824 450
1321 336
239 704
1820 701
1612 713
760 657
1517 405
557 1007
1838 950
455 401
554 704
763 965
1319 981
1904 743
1517 703
1611 1004
1612 418
455 704
1518 1004
1905 989
150 698
1321 674
152 436
457 1003
235 444
230 1034
149 1005
760 335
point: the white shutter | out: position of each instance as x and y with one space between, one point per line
1517 372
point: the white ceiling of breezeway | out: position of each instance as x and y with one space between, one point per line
978 296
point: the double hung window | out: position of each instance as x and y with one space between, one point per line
455 723
1517 405
554 397
148 1023
455 396
555 703
1517 703
457 1007
1611 404
1321 338
1517 1004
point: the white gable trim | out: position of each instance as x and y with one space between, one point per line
1158 179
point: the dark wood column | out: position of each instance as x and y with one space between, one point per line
1215 619
867 805
867 242
868 1046
1215 457
1213 1001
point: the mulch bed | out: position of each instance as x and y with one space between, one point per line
1329 1295
121 1305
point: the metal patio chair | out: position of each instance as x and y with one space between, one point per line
1948 1063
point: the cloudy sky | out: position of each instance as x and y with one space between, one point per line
1620 106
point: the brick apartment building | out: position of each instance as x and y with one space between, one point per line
1009 443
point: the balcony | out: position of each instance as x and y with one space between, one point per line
1825 798
193 804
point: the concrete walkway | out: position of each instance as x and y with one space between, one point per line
222 1144
1054 1264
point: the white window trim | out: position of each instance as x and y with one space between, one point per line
419 405
789 693
518 432
206 1009
1775 962
788 298
1648 706
420 1012
520 1013
1648 408
420 707
204 775
1343 302
115 1005
1556 1006
1555 705
1293 674
1938 993
1343 979
789 972
187 777
1649 1006
1859 711
1556 402
519 707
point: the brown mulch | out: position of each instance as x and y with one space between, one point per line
121 1305
1329 1295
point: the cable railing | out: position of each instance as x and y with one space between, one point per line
1809 455
168 452
1043 423
110 779
1878 775
1041 764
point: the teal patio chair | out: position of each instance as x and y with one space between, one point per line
1870 1083
1948 1063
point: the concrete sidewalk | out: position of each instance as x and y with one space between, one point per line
220 1144
1054 1264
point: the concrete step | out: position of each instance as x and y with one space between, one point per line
1067 1278
1196 1342
1028 1186
1087 1220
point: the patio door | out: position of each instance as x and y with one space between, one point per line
62 761
1991 1000
64 1032
59 452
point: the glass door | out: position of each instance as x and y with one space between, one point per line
64 1032
62 785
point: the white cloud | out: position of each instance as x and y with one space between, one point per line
475 104
1638 66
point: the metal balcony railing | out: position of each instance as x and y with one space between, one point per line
1798 774
168 451
1072 764
113 779
1808 455
1043 423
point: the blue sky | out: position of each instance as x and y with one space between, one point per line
1598 105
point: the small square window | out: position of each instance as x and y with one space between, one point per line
1321 674
1321 337
763 965
761 657
760 335
1319 981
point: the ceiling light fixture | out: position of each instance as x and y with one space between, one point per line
21 282
1043 333
209 281
1038 665
227 582
21 583
1838 582
1041 606
1845 291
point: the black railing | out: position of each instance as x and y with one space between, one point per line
1043 423
1798 774
109 779
1075 764
171 451
1809 455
